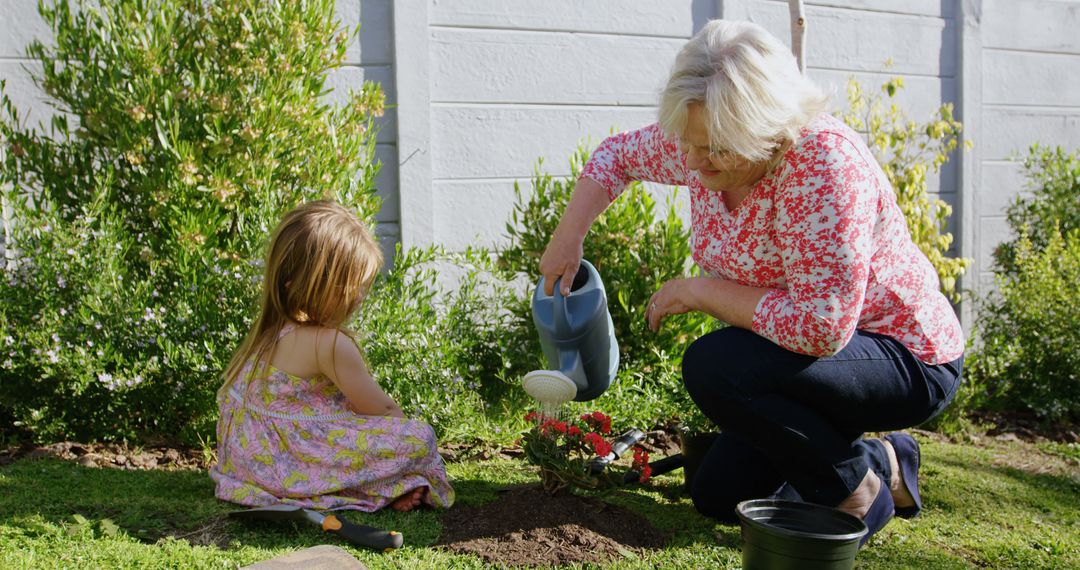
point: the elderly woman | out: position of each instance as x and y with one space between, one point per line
839 327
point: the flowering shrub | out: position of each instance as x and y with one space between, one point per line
563 450
133 233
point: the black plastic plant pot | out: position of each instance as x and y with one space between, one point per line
694 448
781 535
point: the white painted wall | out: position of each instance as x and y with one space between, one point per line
19 25
483 88
508 82
1030 92
502 84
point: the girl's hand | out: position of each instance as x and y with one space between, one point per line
561 260
674 298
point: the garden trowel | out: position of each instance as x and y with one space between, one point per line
621 445
358 534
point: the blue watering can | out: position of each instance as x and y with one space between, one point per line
578 339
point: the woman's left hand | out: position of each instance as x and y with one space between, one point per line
674 298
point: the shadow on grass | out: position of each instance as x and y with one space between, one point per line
50 496
1024 490
672 511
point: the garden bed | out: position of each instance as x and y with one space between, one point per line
525 526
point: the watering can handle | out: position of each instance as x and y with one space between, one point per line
562 314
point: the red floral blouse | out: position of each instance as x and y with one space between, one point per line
822 231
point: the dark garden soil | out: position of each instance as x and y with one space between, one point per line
527 527
1026 427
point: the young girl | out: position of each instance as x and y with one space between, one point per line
302 420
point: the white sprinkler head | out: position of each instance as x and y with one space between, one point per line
549 386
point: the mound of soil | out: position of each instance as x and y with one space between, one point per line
527 527
113 455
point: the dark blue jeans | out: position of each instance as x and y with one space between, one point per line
790 418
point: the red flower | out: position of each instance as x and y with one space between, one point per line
641 457
599 445
598 421
573 431
646 473
546 425
531 416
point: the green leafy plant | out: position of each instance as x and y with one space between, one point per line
563 450
442 354
1051 206
138 216
635 250
1028 359
907 151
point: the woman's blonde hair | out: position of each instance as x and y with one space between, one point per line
321 262
754 96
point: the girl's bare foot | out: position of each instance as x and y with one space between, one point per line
409 500
899 490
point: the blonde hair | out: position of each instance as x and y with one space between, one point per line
321 261
755 99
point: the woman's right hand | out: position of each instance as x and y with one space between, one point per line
561 260
562 257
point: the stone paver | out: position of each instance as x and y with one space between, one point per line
323 557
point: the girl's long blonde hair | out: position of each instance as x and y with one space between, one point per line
321 262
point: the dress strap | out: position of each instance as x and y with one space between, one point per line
288 328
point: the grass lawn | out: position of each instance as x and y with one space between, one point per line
989 503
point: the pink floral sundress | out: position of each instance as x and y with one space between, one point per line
288 440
